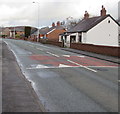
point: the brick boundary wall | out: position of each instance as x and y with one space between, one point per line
105 50
51 42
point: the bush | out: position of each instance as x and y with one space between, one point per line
18 36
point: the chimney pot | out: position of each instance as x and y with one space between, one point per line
53 24
103 11
86 15
58 23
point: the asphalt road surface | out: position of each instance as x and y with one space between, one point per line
65 81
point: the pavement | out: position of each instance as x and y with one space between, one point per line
98 56
17 92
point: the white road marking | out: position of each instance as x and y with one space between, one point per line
82 66
118 80
52 54
39 49
81 56
62 66
66 55
37 66
50 67
105 66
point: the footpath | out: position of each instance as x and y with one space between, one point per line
90 54
17 92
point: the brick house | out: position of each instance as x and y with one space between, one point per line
4 31
52 33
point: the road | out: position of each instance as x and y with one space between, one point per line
65 81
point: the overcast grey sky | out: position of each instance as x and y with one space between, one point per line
24 12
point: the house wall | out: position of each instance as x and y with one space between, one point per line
6 32
54 35
19 32
103 33
41 35
60 38
84 37
119 35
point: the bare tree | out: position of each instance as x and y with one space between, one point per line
70 22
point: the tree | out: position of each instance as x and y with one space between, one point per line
70 22
27 31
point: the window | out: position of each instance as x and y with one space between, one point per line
109 21
72 39
80 38
61 38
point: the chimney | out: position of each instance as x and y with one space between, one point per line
86 15
53 24
103 11
58 23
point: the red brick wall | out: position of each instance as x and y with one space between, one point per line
105 50
54 35
51 42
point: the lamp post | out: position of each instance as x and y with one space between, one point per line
1 32
38 21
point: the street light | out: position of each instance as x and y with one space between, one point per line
38 20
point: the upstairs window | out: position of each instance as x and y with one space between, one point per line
108 21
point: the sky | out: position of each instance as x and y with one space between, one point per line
43 12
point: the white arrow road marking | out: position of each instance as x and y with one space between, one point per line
37 66
82 66
66 55
62 65
52 54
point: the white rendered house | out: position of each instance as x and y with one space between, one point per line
100 30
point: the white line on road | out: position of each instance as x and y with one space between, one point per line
81 56
52 54
118 80
82 66
66 55
105 66
39 49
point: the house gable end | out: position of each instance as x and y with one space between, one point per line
101 21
